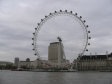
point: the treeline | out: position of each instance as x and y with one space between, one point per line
8 66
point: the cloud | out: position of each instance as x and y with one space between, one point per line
19 18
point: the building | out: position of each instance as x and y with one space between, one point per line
41 64
56 59
22 64
5 65
56 55
16 61
94 63
55 49
36 64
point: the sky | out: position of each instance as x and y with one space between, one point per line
18 18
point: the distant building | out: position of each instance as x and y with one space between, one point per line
36 64
40 64
22 64
94 63
16 61
4 63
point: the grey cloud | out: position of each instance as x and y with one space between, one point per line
19 18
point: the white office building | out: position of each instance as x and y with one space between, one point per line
56 55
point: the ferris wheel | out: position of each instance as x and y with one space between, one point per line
61 13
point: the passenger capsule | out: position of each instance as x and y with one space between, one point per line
80 16
88 31
41 19
84 21
32 38
89 37
35 28
88 43
87 26
55 11
45 16
60 10
86 49
70 11
65 10
75 13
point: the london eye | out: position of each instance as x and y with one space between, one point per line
55 14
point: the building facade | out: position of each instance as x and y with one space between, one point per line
56 55
94 63
5 65
53 51
22 64
56 52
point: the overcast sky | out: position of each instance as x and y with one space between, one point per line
18 18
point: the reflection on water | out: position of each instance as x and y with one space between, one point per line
16 77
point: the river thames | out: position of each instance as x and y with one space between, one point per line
22 77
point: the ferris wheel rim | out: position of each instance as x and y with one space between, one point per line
51 15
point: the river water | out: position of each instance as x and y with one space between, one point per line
22 77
